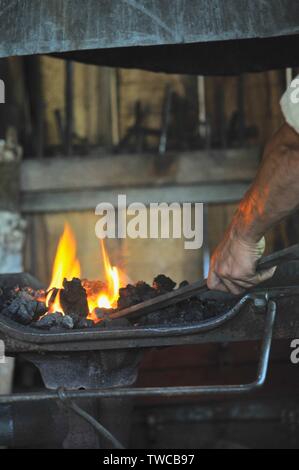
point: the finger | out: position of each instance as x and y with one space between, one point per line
213 280
215 283
233 287
264 276
241 283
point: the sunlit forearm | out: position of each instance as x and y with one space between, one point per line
275 191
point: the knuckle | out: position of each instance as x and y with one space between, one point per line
238 274
222 271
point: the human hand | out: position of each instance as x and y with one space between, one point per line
233 265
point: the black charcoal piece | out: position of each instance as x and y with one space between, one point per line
73 300
67 323
49 321
25 296
103 313
22 311
133 295
145 292
163 284
184 284
194 311
55 321
128 296
104 324
84 324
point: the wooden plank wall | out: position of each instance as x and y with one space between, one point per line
141 259
92 119
262 100
93 94
149 88
92 98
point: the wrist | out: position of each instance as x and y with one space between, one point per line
243 230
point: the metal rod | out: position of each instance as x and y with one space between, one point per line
202 111
206 259
167 392
199 288
165 120
69 108
100 429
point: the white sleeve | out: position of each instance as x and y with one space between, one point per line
290 105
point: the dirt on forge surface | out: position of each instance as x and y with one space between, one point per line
24 306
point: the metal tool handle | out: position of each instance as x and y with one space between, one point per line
279 258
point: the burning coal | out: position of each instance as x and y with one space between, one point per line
67 267
70 302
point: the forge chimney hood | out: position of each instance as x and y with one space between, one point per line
182 36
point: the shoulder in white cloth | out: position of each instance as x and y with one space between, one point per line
290 104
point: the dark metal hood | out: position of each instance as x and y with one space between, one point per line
185 36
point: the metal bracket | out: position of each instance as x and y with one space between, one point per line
168 391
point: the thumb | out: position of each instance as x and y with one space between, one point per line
264 276
261 247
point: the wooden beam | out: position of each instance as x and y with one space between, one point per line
87 200
139 170
77 184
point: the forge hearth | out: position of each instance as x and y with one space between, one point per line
72 303
28 307
221 318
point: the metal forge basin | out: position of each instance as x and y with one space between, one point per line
252 318
238 324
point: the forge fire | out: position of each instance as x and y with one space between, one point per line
74 303
81 300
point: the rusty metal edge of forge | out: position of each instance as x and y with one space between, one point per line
239 324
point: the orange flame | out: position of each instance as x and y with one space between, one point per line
107 296
110 297
67 266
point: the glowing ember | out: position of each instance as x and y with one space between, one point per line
67 266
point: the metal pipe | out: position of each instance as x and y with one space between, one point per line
98 427
206 260
167 391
